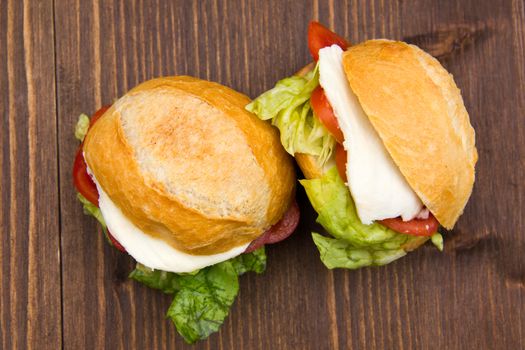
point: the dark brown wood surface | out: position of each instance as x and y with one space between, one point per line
63 286
30 305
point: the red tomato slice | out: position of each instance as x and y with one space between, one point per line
324 112
414 227
319 36
116 243
85 185
81 179
340 161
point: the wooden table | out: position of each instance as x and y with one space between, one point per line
63 286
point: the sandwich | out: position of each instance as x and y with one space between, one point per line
192 186
380 132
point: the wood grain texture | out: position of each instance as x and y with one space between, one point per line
30 306
471 296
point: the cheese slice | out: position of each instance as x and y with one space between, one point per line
377 186
150 251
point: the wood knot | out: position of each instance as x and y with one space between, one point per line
448 41
515 281
510 263
459 242
502 252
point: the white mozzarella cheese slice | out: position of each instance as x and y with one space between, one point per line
377 186
150 251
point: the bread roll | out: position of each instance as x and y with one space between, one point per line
186 163
416 108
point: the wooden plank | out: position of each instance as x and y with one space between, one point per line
30 307
471 296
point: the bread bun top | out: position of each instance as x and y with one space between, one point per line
186 163
416 108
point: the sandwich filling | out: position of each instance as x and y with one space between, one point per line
377 186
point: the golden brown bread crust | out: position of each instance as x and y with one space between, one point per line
194 167
312 169
309 165
417 110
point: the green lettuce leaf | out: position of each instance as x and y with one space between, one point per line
288 107
251 262
168 282
202 300
338 253
92 210
82 126
354 244
437 240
